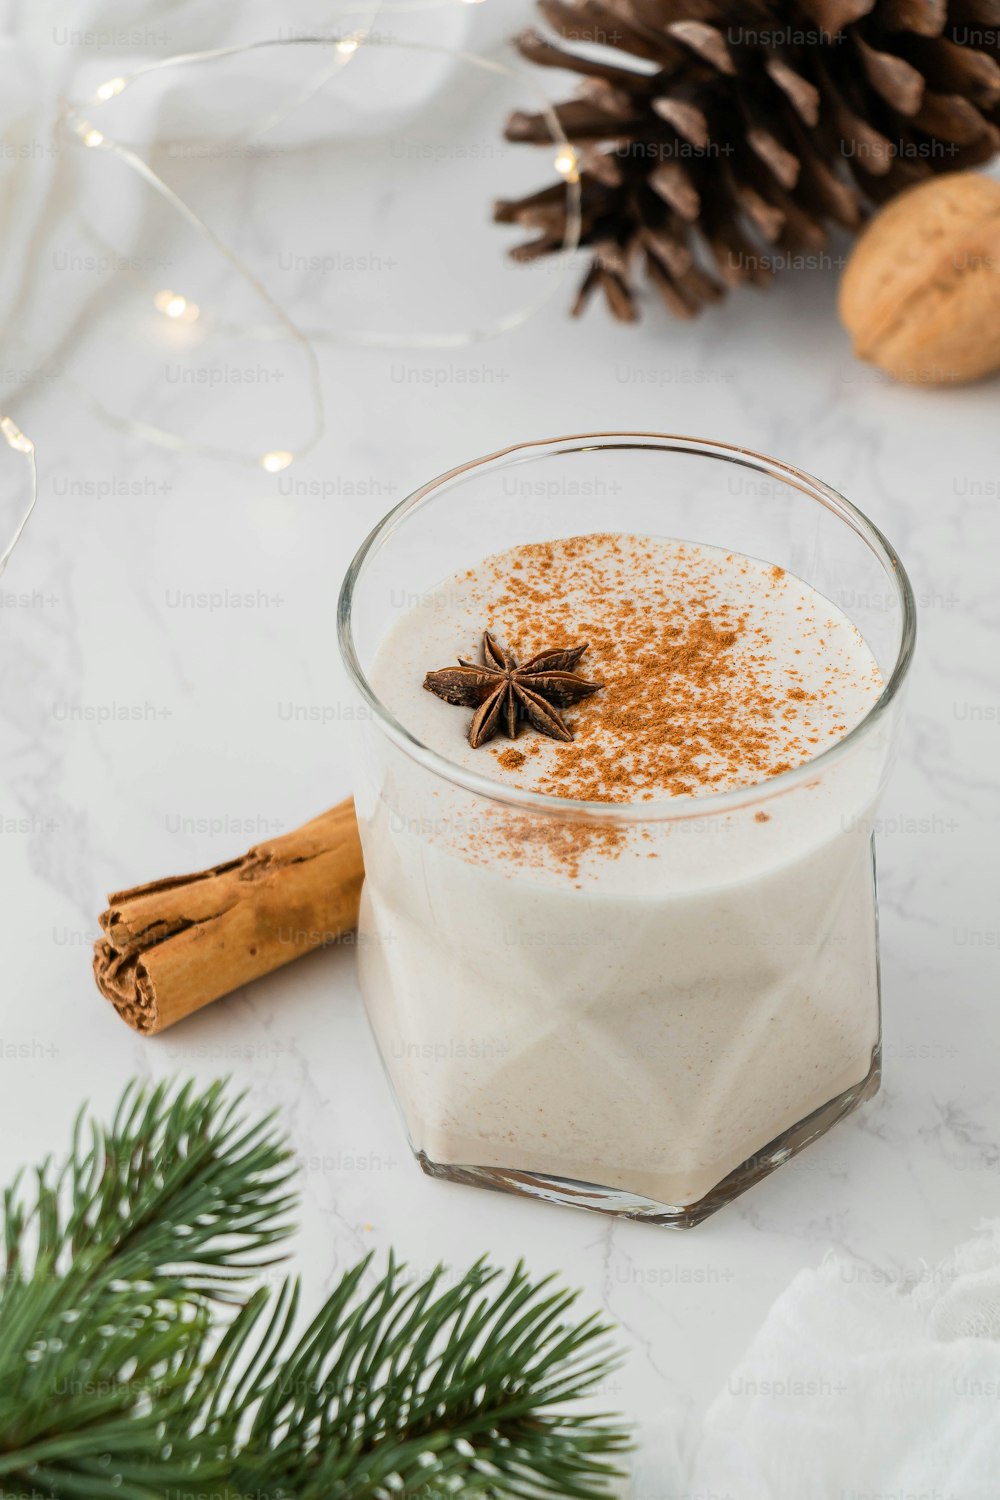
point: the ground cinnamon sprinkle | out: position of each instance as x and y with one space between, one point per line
691 703
716 672
543 842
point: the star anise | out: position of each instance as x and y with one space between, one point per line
503 693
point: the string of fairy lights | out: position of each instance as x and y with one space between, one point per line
81 119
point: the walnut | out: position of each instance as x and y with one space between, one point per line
920 295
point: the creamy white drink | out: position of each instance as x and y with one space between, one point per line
643 1002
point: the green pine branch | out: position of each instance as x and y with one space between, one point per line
135 1361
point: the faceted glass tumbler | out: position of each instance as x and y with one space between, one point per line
653 1039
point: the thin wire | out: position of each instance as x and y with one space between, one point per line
23 445
571 233
360 338
162 435
81 130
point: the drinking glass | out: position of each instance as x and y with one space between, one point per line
638 1036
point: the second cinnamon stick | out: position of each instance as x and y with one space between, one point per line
175 945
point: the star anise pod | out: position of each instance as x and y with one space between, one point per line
503 693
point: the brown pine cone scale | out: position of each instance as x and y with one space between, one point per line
715 141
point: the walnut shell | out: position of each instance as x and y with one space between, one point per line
920 295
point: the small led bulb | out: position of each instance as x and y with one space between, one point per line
566 164
110 89
15 437
276 460
175 306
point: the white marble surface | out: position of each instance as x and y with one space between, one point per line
236 729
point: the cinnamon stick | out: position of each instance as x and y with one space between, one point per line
175 945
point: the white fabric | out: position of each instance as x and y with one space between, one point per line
862 1385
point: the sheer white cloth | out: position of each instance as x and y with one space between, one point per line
866 1385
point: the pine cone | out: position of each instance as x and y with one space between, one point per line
731 136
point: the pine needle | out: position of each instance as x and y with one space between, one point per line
135 1360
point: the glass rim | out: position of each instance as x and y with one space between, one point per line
664 809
